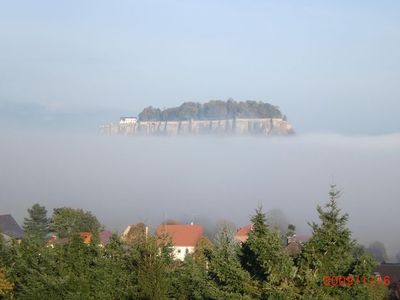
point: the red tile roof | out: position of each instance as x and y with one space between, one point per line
243 233
182 235
134 233
105 236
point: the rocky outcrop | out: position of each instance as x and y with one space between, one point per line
253 126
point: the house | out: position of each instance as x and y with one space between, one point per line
392 271
183 237
9 228
389 269
104 237
127 120
134 232
294 243
243 233
293 246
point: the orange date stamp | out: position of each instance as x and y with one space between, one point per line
351 280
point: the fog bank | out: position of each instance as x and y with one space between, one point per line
125 180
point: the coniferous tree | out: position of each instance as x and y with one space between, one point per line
152 260
190 280
228 279
36 226
265 258
331 251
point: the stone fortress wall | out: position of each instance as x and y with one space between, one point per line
265 127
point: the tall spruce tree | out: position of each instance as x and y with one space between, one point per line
331 251
36 225
228 279
189 280
265 258
152 260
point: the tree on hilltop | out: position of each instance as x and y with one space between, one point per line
212 110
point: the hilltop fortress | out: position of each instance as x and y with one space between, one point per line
214 117
131 126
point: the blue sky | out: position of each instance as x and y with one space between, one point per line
331 66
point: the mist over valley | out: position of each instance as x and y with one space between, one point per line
205 179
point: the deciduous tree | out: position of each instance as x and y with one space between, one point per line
68 221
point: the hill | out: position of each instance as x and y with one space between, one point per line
212 110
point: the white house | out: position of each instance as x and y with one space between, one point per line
184 237
127 120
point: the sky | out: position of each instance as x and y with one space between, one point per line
331 66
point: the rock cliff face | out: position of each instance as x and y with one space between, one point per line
253 126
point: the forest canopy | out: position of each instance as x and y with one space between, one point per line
212 110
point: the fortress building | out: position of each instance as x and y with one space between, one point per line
238 126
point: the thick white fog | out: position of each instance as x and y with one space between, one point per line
125 180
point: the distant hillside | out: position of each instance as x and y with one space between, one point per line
212 110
